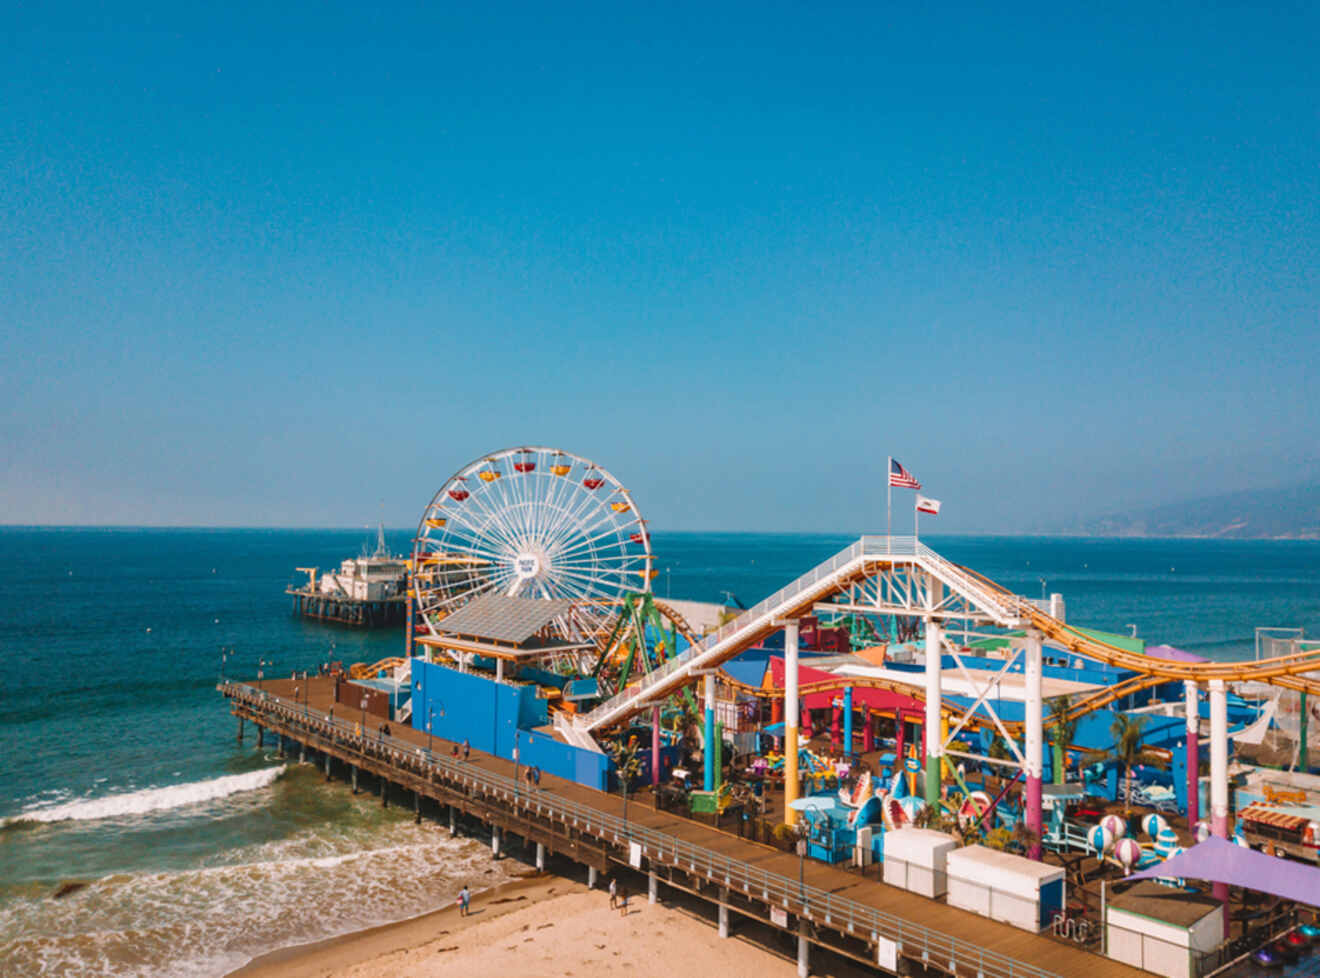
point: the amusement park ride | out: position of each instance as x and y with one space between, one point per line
533 522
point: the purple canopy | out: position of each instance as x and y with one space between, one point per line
1221 861
1173 654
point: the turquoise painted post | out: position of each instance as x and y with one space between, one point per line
711 747
847 720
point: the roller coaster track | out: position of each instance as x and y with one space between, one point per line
979 596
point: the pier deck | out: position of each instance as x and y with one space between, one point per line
835 908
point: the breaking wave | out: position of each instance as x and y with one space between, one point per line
148 799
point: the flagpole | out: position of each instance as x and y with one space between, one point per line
889 505
916 519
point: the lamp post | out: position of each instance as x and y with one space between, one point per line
516 735
430 722
364 718
261 664
802 862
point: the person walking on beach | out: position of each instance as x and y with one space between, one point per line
623 901
464 901
614 893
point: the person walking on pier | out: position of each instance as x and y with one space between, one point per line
467 749
464 901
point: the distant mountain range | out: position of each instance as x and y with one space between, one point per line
1254 514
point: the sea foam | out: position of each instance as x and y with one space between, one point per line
149 799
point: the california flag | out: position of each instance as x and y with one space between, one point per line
925 505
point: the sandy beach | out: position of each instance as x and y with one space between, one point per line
538 927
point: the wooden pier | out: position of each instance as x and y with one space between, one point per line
360 613
825 906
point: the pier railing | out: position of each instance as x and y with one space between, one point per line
781 892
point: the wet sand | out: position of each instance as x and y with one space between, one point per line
536 928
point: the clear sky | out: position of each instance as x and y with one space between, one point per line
286 264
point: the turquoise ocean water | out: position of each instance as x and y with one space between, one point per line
120 767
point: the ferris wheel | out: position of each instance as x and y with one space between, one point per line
533 522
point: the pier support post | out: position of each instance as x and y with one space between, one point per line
1192 699
1035 739
495 841
934 692
384 793
354 769
417 808
327 767
724 911
792 717
655 746
261 737
709 781
302 753
652 887
1219 776
591 877
540 856
240 730
453 821
804 949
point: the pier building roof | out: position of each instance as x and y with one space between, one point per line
500 618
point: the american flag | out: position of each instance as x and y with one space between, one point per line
901 478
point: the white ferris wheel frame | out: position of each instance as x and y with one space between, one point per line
532 534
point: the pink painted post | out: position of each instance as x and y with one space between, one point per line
868 732
834 725
1193 709
655 745
806 723
898 736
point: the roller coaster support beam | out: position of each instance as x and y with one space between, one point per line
847 720
934 695
1193 706
792 716
709 781
1035 738
1219 776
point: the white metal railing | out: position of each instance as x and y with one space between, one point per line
821 906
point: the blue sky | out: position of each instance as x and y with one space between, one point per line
294 266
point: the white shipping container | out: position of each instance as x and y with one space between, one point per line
916 860
1007 888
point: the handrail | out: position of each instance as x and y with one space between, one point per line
845 915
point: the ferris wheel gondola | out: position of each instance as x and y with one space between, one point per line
533 522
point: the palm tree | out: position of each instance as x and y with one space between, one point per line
1063 730
1128 749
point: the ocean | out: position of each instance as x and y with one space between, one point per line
120 767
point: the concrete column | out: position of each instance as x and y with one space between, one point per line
354 768
417 808
724 912
453 821
1035 738
540 856
1191 694
792 715
652 887
302 753
934 697
495 841
847 720
709 782
384 793
327 767
240 730
261 737
655 745
591 877
804 949
1219 775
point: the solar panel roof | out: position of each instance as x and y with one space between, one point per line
500 618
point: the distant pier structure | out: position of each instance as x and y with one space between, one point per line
369 591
